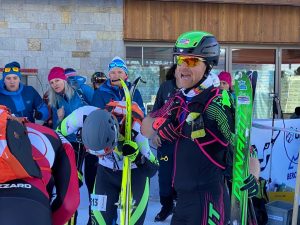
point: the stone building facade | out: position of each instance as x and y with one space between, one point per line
84 35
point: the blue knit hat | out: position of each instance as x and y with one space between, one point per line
12 68
117 62
70 72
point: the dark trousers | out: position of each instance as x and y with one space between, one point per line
90 170
210 205
165 155
24 206
107 191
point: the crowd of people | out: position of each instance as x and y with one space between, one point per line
190 125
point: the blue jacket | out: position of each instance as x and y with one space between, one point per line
24 102
69 106
107 92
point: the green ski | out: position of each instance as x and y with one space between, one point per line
243 123
126 204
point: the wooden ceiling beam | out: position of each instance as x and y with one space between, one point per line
256 2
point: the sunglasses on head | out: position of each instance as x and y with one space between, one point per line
8 69
191 61
116 64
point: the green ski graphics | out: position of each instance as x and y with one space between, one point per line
126 195
243 122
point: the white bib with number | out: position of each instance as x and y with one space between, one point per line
98 202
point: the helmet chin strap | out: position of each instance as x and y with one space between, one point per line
208 69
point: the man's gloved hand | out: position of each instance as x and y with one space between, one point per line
130 149
250 184
165 129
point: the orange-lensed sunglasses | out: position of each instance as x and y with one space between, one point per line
8 69
191 61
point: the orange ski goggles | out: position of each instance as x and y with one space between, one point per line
8 69
191 61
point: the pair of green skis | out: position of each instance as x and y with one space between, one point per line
243 124
126 201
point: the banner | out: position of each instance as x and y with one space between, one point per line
278 162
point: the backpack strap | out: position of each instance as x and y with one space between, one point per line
81 95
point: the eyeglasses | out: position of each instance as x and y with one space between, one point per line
191 61
8 69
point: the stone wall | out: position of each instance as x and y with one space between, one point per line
41 34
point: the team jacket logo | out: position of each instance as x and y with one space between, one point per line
15 186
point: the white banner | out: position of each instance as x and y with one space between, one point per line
281 165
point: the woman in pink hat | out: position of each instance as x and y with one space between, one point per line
225 81
63 100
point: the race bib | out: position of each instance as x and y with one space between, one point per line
98 202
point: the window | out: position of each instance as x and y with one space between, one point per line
263 62
290 80
151 63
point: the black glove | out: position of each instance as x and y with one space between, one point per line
250 184
165 129
38 115
130 149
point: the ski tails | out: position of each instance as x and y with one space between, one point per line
126 195
252 74
243 123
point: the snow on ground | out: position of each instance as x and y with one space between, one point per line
153 209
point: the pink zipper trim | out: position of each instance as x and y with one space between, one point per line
208 156
174 163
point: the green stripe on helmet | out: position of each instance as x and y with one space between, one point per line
191 39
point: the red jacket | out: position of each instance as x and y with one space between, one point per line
56 159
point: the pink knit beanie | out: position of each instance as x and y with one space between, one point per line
225 76
57 72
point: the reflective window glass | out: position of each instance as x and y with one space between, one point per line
263 62
290 81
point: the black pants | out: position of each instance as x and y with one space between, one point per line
24 207
165 169
90 165
210 205
108 186
90 170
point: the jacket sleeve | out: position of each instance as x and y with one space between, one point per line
98 99
221 117
40 106
66 182
88 93
159 99
74 121
139 100
150 165
55 120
